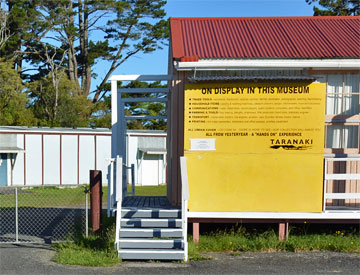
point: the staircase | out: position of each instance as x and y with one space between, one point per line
149 228
150 232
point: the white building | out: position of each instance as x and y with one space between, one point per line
62 156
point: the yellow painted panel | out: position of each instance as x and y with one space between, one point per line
253 182
255 147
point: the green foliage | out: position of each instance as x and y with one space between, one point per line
336 7
148 190
13 101
145 108
97 250
54 37
44 197
67 109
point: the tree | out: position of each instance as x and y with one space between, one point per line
47 39
121 30
62 107
336 7
145 108
13 101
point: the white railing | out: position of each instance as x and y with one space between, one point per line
118 198
184 203
345 177
110 198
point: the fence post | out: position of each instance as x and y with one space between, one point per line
86 213
95 199
16 216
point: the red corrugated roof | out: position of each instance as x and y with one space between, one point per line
265 37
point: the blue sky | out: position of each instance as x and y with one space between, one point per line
157 62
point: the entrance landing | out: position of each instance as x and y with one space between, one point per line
147 202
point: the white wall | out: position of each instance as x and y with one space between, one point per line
18 173
87 158
103 154
76 162
51 149
69 155
33 158
52 159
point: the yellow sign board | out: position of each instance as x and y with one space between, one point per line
255 147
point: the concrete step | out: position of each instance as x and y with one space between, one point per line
143 222
151 232
142 243
151 254
150 213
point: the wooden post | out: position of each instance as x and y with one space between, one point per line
196 232
95 199
283 231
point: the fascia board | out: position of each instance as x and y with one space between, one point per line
268 64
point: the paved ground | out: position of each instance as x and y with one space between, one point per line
36 259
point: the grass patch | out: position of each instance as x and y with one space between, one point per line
238 240
44 197
97 250
159 190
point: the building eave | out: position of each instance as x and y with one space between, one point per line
269 64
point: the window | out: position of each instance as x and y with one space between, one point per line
341 136
342 94
342 112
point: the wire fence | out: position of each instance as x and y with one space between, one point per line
42 214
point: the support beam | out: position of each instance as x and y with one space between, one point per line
283 231
196 232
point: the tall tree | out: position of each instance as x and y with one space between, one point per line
109 30
336 7
13 101
49 38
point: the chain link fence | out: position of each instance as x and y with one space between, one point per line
42 214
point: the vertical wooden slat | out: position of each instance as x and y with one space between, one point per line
330 183
174 137
350 185
181 134
343 165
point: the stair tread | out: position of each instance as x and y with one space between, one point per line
149 229
148 240
149 251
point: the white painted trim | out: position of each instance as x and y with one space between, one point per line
357 158
114 120
337 196
342 176
343 215
145 117
184 203
140 77
143 90
276 64
141 99
8 167
118 198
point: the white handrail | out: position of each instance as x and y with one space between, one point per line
110 198
118 198
184 203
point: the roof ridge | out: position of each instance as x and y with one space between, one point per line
268 17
